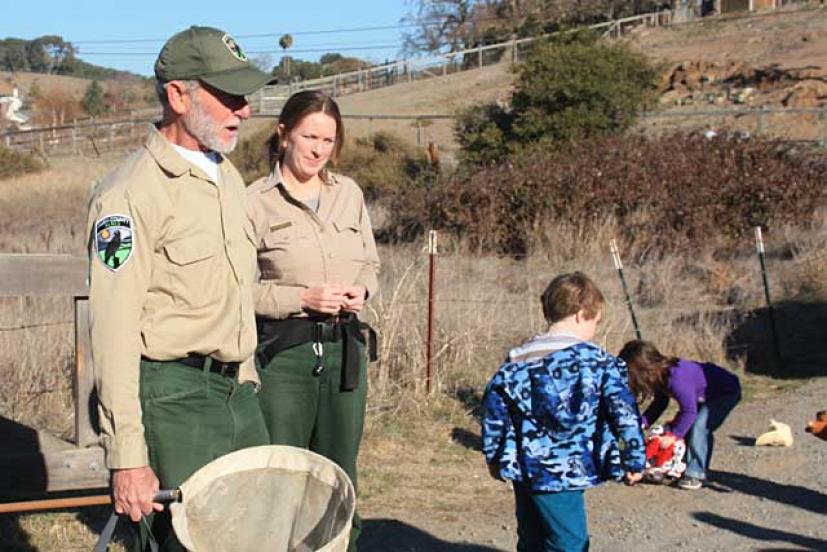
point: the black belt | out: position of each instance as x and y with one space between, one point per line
279 335
227 369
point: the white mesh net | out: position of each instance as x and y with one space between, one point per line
266 498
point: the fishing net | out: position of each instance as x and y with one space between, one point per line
266 498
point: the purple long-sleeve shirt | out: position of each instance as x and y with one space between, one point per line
691 383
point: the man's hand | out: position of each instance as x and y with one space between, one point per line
632 478
494 470
133 490
354 298
327 298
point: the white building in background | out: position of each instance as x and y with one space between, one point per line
10 113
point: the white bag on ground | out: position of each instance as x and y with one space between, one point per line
275 498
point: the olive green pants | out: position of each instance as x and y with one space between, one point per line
191 417
313 412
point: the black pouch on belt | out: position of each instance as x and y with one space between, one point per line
279 335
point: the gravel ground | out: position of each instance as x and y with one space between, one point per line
758 498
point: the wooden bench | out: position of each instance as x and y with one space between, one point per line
34 462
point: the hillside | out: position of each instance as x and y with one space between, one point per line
791 46
23 81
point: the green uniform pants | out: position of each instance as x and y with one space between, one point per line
192 417
313 412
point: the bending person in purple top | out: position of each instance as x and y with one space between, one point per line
705 394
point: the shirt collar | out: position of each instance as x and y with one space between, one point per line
275 179
169 159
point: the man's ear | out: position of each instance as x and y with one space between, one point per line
178 97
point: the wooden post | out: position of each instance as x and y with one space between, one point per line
84 383
370 127
75 136
479 56
761 123
431 293
419 132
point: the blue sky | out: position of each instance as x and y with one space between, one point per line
88 23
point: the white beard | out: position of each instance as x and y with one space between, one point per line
204 129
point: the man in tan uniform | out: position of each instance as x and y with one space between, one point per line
172 261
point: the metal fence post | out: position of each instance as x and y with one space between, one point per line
619 266
432 251
759 247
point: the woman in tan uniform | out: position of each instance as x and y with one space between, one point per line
318 264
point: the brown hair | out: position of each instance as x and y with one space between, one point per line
648 368
298 106
569 293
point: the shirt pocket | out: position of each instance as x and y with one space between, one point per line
279 235
349 242
192 269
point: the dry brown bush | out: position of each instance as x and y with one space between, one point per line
693 190
57 105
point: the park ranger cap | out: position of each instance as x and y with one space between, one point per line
211 56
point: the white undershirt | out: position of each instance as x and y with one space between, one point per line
207 162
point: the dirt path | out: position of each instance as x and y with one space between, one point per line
759 498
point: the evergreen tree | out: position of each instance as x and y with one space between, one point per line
93 100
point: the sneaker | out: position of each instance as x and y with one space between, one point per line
689 483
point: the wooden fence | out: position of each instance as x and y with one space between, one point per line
269 99
32 461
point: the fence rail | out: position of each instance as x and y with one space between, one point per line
96 138
269 99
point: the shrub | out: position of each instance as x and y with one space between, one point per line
13 163
570 87
690 189
381 164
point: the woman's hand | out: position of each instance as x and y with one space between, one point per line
354 298
667 441
327 298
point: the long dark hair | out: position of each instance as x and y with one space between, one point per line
648 368
298 106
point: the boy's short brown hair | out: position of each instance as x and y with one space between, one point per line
568 293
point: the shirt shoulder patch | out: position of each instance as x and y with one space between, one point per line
114 241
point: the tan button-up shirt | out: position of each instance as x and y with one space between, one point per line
299 248
181 284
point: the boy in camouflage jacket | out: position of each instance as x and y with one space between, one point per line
559 418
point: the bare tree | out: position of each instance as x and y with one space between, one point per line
439 25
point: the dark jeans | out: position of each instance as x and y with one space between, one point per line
192 417
313 412
550 522
700 440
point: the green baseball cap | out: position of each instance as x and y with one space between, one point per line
212 56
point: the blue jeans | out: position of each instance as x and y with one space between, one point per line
699 439
550 522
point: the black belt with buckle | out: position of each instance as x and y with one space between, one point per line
279 335
227 369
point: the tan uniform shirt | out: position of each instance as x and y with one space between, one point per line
299 248
172 261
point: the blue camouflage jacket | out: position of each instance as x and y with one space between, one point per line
566 421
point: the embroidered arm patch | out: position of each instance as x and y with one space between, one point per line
114 241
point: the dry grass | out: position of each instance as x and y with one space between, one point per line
687 302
